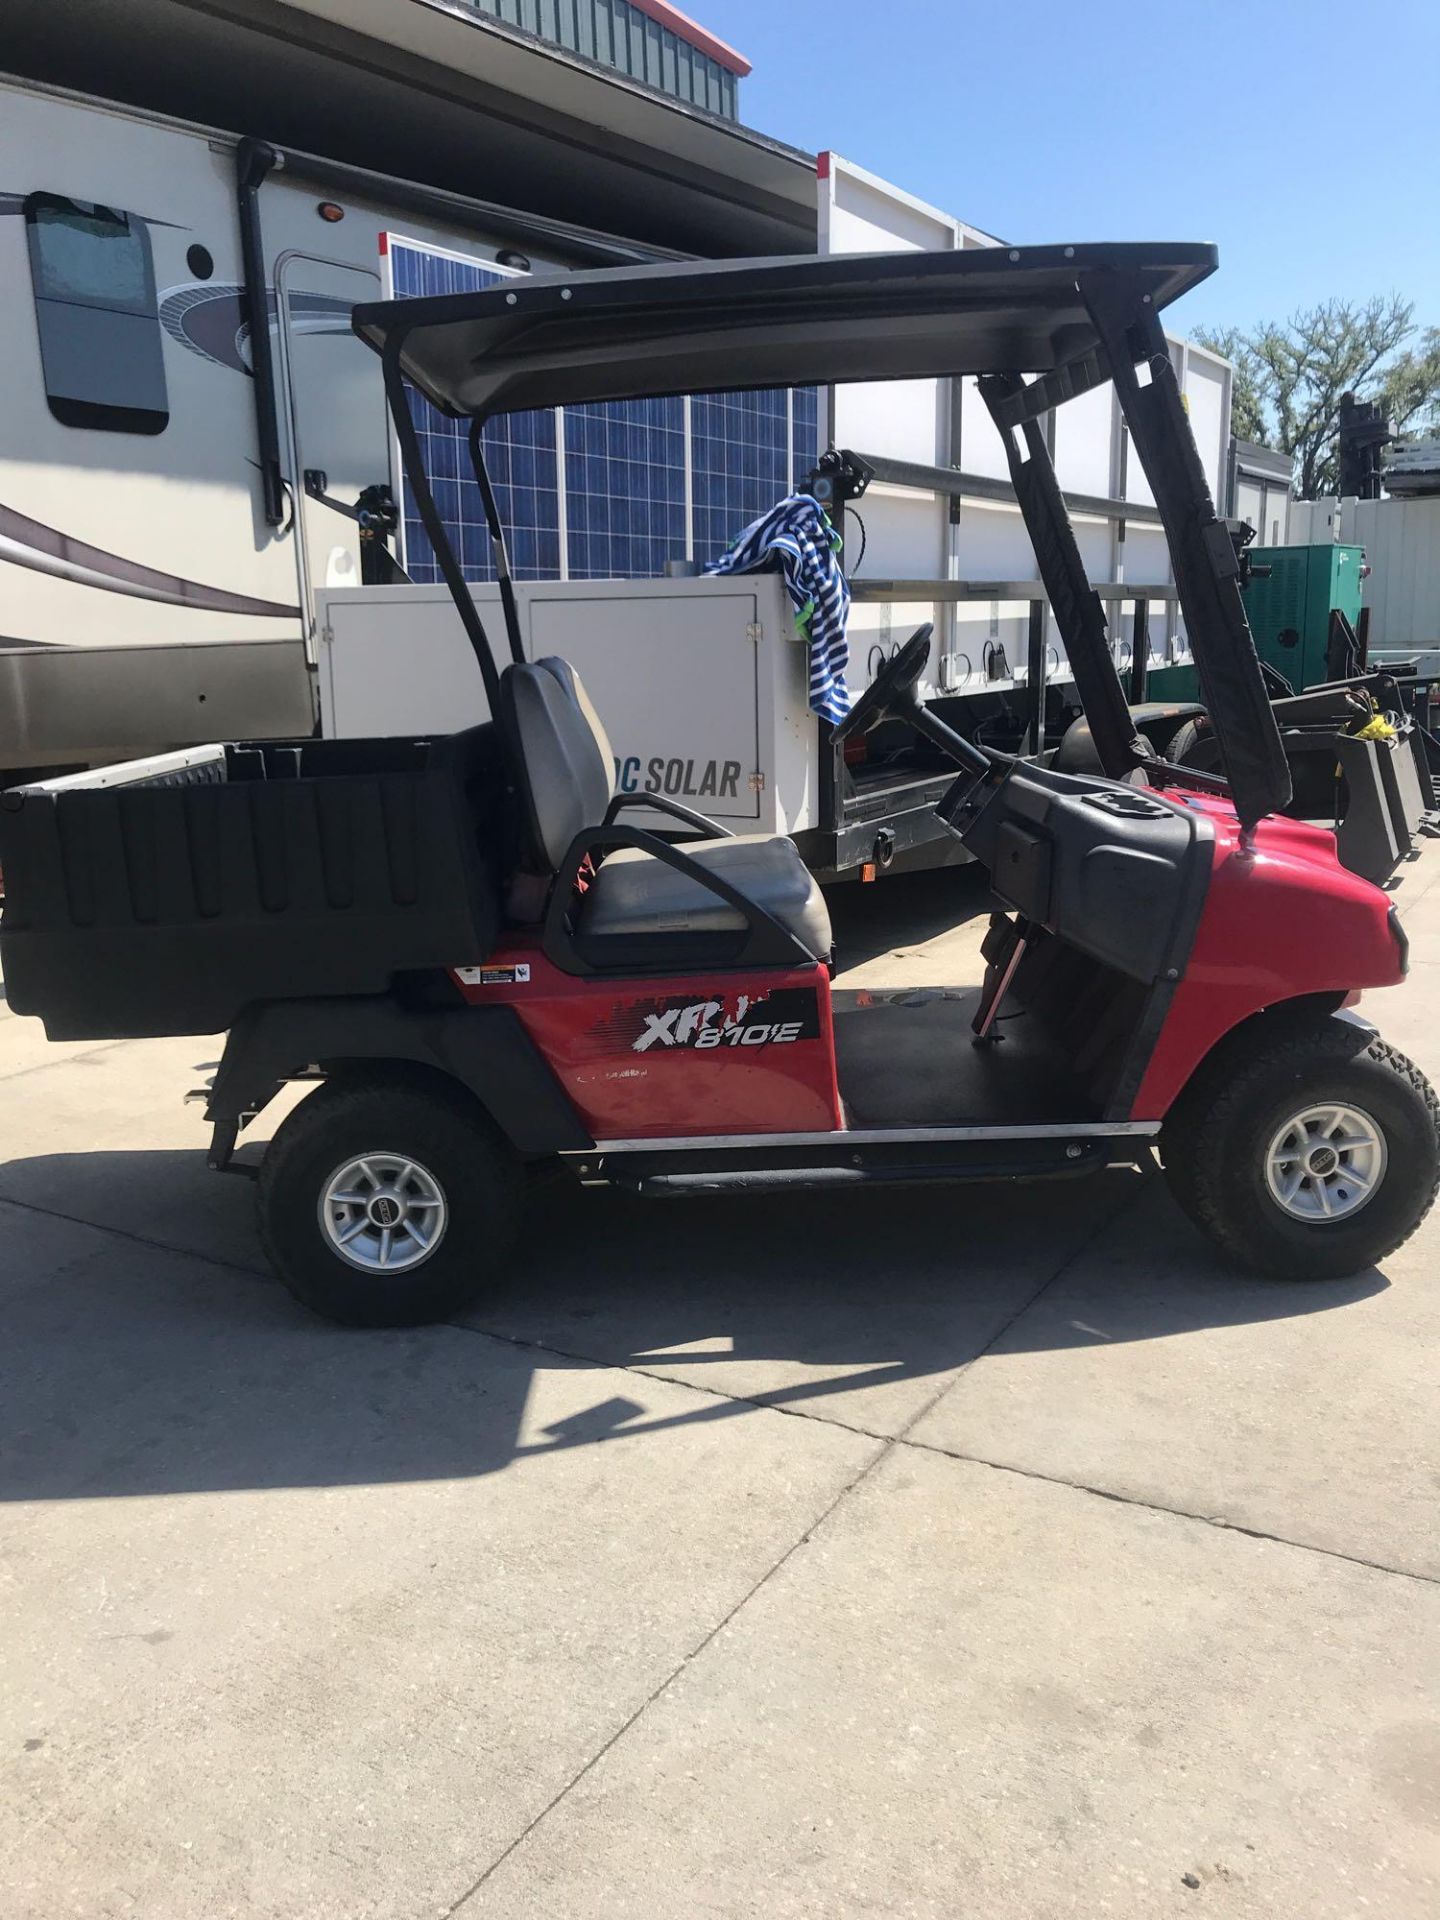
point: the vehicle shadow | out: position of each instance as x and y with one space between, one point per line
132 1368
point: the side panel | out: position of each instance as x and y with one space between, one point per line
1401 539
698 682
657 1058
89 706
1282 922
675 677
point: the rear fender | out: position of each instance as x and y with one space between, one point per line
484 1050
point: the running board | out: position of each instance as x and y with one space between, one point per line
841 1139
663 1172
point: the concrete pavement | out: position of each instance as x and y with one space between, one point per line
922 1554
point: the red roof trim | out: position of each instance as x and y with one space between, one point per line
680 24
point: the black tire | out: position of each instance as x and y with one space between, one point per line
1192 746
476 1175
1215 1143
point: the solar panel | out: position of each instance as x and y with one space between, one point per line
610 491
624 488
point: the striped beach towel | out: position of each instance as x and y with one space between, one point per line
797 534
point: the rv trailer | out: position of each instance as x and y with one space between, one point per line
174 486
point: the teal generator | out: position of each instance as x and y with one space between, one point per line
1289 613
1289 608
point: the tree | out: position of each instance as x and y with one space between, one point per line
1247 406
1289 378
1410 390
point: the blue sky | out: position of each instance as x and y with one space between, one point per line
1224 123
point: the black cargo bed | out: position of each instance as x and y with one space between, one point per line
161 896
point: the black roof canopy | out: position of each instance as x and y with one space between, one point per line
629 332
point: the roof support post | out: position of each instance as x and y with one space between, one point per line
1076 606
1207 573
497 541
414 464
1049 390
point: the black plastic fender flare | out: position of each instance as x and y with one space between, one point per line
485 1050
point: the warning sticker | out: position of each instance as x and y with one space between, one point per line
516 976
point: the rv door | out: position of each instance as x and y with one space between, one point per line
339 439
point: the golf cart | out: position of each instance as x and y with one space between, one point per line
495 974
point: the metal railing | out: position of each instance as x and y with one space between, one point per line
1112 593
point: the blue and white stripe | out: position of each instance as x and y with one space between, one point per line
797 534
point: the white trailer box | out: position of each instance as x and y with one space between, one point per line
701 683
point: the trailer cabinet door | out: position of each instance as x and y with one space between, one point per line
673 670
338 424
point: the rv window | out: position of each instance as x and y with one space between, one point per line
95 305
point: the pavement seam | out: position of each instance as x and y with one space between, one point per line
1125 1204
706 1640
903 1438
1215 1521
765 1405
886 1447
137 1239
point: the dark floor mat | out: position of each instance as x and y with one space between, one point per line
908 1059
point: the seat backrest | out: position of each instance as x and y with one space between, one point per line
566 770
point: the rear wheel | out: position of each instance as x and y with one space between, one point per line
387 1204
1310 1156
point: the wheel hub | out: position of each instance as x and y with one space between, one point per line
1325 1163
383 1212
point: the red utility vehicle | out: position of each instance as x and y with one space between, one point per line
493 972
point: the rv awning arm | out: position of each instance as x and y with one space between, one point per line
255 160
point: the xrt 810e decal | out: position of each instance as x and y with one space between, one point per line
720 1020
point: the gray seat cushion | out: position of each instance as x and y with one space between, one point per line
634 894
565 759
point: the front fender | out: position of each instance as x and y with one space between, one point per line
1284 924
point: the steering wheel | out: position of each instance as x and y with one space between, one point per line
890 687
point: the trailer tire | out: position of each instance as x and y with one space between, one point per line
462 1193
1184 748
1233 1148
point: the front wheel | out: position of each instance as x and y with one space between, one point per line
387 1204
1311 1157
